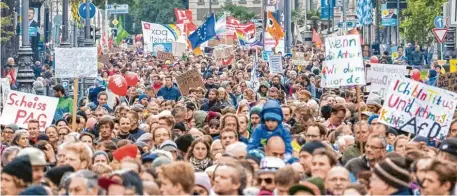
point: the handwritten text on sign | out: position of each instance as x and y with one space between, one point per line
164 55
76 62
21 107
343 65
418 108
275 63
190 79
380 76
448 81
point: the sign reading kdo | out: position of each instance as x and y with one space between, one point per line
21 107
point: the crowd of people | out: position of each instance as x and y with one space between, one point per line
288 137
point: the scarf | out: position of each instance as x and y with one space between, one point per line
200 165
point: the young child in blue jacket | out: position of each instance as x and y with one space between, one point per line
270 125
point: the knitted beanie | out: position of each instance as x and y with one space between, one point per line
55 174
129 150
393 171
20 167
311 146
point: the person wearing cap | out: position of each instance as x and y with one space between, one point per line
177 178
8 132
170 146
16 176
143 99
169 92
306 154
202 184
374 102
266 175
54 176
448 150
271 125
390 177
304 188
38 161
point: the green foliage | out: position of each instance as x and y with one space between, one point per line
240 12
6 24
417 20
298 16
155 11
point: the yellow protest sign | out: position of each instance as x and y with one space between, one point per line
453 65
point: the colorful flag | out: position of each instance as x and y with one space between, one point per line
185 17
246 33
121 32
221 25
316 38
273 28
204 33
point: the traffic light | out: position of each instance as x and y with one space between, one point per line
94 31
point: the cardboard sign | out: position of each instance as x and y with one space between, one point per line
165 56
343 65
448 81
190 79
76 62
418 108
222 53
21 107
275 64
380 76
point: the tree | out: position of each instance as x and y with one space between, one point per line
418 20
6 24
240 12
155 11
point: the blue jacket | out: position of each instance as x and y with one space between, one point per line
169 93
261 133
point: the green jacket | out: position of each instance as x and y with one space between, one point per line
65 105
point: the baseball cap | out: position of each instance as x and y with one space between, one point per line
450 146
168 146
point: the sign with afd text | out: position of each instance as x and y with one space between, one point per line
275 64
158 33
418 108
21 107
380 76
343 65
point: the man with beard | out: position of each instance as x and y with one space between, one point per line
210 83
213 94
375 149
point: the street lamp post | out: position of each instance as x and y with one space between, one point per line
25 76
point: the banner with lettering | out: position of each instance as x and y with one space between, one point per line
275 64
418 108
159 33
343 65
21 107
380 76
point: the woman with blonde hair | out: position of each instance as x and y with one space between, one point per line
224 97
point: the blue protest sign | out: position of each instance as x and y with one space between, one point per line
82 10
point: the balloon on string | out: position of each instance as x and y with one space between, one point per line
416 75
131 78
118 85
374 59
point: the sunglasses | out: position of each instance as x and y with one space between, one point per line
266 180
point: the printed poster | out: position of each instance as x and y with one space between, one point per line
343 64
275 64
380 76
418 108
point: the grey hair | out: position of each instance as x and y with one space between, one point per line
237 145
90 179
7 152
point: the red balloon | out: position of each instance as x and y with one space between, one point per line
118 85
374 59
416 75
131 78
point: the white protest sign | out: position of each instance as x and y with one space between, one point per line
343 65
275 63
179 48
5 86
418 108
158 33
380 76
76 62
21 107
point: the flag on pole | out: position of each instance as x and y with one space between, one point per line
254 82
316 38
185 17
121 32
204 33
221 25
273 28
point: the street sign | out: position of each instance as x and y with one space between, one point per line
82 10
327 9
118 8
115 22
440 34
439 22
453 13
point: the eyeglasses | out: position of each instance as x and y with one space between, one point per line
373 147
266 180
